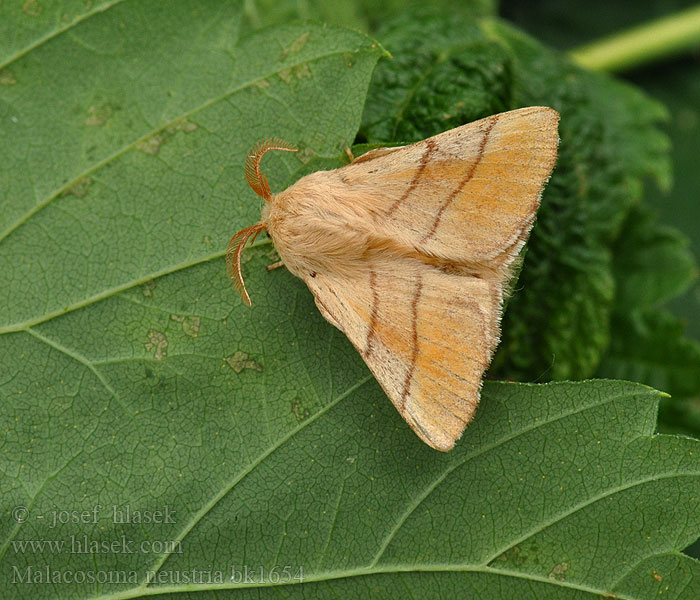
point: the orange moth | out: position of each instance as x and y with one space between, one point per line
408 250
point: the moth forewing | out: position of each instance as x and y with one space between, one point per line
407 251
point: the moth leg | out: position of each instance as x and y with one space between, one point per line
349 154
274 266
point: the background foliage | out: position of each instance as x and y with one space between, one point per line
132 376
660 287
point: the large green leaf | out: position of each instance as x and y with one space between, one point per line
329 481
122 160
652 263
365 15
123 137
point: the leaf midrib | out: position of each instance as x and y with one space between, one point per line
372 570
132 145
388 570
372 567
58 31
486 448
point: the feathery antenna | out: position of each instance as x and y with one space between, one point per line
233 258
255 178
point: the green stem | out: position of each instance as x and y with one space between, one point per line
642 44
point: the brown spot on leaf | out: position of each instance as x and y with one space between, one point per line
32 8
306 155
513 555
262 84
657 576
239 361
7 78
302 71
296 45
152 144
190 325
148 287
268 252
79 189
98 115
285 75
271 254
299 411
157 341
558 573
299 71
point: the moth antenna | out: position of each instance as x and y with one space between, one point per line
255 178
233 258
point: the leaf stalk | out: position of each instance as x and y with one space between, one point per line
642 44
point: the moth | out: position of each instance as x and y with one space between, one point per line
409 252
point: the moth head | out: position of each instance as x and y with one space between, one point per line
258 182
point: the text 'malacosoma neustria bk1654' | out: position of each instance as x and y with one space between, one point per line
408 250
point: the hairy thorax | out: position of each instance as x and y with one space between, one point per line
315 229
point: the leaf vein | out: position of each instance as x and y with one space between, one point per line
487 447
82 360
249 469
55 33
128 147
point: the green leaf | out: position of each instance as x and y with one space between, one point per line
129 175
124 134
440 76
652 262
651 347
365 15
650 266
328 479
678 86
